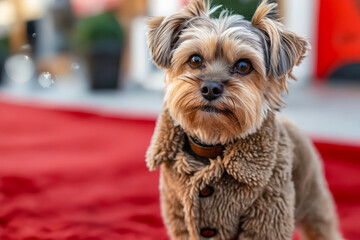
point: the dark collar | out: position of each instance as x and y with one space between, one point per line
206 151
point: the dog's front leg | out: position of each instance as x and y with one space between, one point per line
172 209
271 217
173 215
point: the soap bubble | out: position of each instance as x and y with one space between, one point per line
75 66
33 35
46 80
26 47
20 68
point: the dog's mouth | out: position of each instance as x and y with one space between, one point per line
212 109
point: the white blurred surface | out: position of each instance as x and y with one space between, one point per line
300 16
323 112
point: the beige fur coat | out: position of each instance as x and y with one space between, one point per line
249 192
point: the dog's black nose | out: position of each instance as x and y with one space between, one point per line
211 90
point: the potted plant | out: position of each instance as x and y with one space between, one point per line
100 39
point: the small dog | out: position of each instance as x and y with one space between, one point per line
231 167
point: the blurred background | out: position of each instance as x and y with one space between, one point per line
79 95
93 54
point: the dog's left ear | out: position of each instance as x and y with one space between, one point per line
164 32
286 49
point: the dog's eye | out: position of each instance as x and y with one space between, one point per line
195 61
243 66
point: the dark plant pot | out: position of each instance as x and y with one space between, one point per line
3 56
104 63
31 35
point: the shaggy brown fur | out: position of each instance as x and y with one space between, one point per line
269 177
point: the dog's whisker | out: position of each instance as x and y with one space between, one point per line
191 83
187 104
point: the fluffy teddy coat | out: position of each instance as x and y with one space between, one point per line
259 189
224 78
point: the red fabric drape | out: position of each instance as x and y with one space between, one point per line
72 175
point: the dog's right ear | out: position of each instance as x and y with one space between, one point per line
164 32
286 49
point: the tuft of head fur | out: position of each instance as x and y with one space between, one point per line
272 51
164 32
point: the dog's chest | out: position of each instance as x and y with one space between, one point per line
217 200
223 209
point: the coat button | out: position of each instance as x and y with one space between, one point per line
207 191
208 232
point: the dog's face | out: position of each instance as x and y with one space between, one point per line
223 75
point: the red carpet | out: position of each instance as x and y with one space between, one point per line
69 175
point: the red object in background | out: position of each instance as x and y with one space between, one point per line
82 8
72 175
338 41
